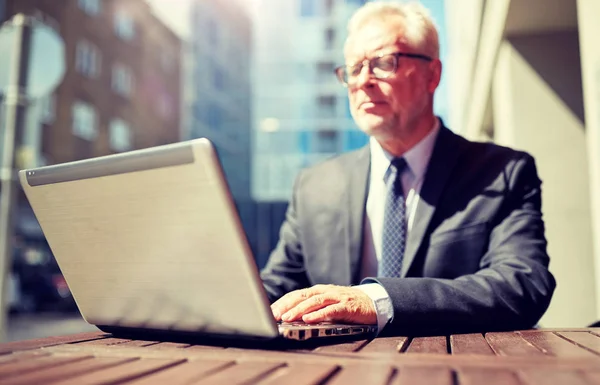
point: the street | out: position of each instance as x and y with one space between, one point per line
29 326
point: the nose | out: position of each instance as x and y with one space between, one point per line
365 77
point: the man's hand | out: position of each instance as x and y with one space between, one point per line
326 303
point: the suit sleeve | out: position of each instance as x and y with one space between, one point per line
285 270
512 288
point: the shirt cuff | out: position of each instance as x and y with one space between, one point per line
382 302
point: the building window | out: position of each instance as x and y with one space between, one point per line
91 7
85 121
214 117
326 67
326 106
122 80
218 80
213 33
307 8
48 109
119 135
124 26
355 139
325 71
328 7
87 59
327 141
2 10
329 38
304 141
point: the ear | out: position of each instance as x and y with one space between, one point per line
435 69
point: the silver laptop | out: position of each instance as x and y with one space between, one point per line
151 240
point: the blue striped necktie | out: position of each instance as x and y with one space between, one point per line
394 222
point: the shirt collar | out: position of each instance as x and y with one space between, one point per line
417 158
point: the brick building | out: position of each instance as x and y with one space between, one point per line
121 88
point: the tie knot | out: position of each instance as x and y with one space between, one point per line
397 165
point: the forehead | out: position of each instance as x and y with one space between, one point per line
374 36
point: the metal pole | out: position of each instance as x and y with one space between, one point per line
15 106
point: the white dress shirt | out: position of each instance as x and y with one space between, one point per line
417 159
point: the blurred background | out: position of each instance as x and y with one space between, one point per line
256 77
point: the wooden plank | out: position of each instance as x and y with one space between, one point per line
241 373
548 376
69 370
335 358
342 348
102 342
477 376
168 345
138 343
124 372
185 373
592 376
20 356
203 348
415 375
13 369
552 344
52 341
300 374
391 345
512 345
546 330
470 344
430 345
585 339
362 373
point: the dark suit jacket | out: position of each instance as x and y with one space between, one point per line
475 258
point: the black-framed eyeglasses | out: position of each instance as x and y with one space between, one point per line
381 67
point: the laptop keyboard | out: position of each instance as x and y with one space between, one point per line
299 330
301 323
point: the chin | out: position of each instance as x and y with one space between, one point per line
375 126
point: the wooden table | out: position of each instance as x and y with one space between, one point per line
566 356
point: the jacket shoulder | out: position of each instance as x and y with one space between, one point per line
335 168
484 152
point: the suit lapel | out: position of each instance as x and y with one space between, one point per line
357 197
443 159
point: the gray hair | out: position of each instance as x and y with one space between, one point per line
420 30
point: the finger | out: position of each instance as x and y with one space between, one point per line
309 305
333 313
288 301
292 299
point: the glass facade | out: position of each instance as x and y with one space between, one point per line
294 84
253 76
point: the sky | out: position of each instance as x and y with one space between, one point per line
173 13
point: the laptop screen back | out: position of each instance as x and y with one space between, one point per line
151 239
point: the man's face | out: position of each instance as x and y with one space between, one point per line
387 107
